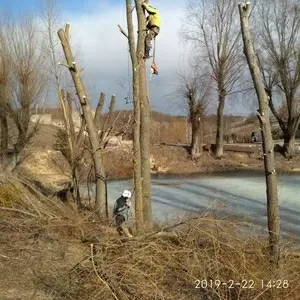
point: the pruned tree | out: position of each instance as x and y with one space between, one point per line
141 127
96 148
211 27
145 115
267 141
194 89
279 57
73 150
25 79
79 143
71 144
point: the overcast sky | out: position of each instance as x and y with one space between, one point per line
103 50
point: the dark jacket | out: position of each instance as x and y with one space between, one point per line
121 207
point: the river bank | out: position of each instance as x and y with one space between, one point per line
228 195
175 161
50 171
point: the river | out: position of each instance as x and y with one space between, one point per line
241 195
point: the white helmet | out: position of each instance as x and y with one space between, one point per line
126 194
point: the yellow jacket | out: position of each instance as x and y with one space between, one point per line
154 17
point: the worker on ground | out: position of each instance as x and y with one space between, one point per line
121 213
153 27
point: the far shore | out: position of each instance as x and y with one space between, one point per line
225 173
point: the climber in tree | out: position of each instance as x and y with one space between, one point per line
153 26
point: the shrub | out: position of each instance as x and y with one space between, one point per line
9 195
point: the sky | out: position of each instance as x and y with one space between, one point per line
103 49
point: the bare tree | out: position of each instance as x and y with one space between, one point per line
141 128
279 26
145 114
194 90
139 218
212 28
71 144
23 47
268 146
73 151
96 148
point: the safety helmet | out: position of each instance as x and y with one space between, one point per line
126 194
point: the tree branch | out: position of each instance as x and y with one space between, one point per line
123 31
99 108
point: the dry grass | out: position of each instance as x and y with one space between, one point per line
204 251
43 238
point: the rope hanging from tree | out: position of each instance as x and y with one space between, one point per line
129 93
154 67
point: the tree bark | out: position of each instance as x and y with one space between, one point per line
145 116
288 144
4 133
289 127
268 147
139 218
145 147
98 112
73 148
289 136
4 139
220 125
197 137
88 116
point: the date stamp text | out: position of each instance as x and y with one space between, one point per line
243 284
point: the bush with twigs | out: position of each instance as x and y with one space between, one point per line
204 259
199 258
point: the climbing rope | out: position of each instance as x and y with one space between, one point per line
129 93
154 68
154 46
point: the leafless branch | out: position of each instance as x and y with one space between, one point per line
123 31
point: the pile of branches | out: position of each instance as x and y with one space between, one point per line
203 258
200 258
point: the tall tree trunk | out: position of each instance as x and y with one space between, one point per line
268 147
289 136
220 124
288 144
21 140
145 117
70 128
145 147
197 137
139 218
76 190
100 175
88 116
